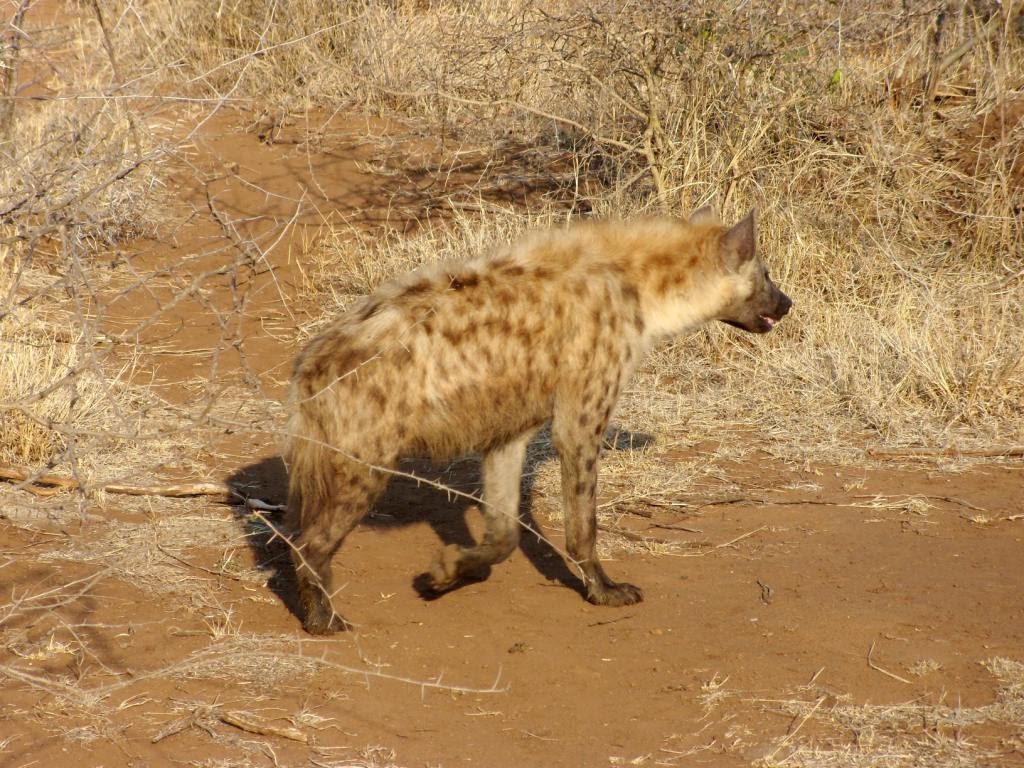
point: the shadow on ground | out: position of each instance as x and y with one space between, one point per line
408 500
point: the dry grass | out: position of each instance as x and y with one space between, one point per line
891 195
65 401
912 735
893 220
889 211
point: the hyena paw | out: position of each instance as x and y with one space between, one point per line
324 623
444 570
452 566
615 594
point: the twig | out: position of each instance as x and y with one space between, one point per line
676 528
741 537
794 731
205 716
174 490
630 534
21 475
10 61
1012 451
245 723
884 671
177 490
177 726
183 561
115 67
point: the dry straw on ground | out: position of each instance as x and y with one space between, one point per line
893 218
881 142
912 735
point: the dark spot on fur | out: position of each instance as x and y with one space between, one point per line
599 430
581 488
452 335
376 394
466 280
583 419
663 260
513 270
421 286
503 297
590 464
638 320
666 283
370 308
427 326
630 293
543 273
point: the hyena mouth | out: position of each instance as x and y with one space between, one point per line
768 320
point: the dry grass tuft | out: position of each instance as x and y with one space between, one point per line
60 394
912 735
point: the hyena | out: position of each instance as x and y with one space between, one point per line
476 355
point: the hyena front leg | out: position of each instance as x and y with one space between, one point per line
502 470
323 525
577 439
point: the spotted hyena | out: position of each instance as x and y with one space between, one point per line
474 356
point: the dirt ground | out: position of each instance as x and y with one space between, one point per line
791 607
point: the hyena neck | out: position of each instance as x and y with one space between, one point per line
670 315
679 277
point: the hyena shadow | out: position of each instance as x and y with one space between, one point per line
421 492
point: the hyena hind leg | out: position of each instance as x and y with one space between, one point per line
502 471
322 531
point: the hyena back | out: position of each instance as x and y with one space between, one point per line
474 356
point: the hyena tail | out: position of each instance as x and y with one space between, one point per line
307 470
329 491
309 520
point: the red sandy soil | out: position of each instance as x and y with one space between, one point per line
778 594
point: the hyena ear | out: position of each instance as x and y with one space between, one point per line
704 215
740 242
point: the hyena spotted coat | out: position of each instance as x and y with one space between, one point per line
474 356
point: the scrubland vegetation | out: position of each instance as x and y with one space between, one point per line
881 143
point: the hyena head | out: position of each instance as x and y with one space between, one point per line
754 302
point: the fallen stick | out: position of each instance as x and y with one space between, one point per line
630 534
21 475
1013 451
48 485
238 720
205 716
877 668
174 490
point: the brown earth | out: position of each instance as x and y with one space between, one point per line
787 582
